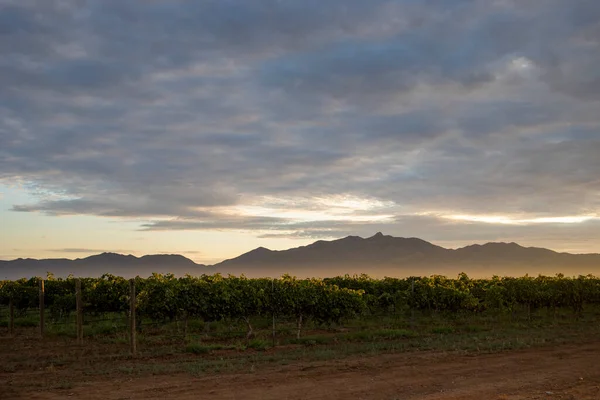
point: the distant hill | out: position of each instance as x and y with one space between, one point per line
382 255
379 255
93 266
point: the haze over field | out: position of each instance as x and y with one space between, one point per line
211 128
377 256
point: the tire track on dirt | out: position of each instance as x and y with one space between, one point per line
566 372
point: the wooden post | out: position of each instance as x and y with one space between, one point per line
79 306
185 327
42 308
11 317
412 308
132 338
273 329
299 326
272 291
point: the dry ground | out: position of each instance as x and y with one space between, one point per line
567 371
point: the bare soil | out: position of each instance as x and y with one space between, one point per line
569 371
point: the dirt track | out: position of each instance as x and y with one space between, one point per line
565 372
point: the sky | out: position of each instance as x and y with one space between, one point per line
209 128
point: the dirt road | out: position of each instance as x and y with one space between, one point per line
565 372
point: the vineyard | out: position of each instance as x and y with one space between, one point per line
194 302
60 332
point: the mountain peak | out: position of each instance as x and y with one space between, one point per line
257 255
502 244
257 252
109 256
380 236
261 249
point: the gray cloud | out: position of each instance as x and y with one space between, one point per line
168 111
220 222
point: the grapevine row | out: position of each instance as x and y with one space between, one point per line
214 297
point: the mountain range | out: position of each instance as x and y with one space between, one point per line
379 255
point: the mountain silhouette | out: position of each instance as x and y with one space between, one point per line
96 265
382 255
350 250
379 255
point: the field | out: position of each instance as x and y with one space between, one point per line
442 356
425 338
504 365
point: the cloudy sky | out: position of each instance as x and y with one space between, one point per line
208 128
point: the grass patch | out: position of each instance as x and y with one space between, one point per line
103 328
313 340
115 339
127 370
380 334
258 344
163 349
443 330
61 330
200 348
474 328
27 322
197 348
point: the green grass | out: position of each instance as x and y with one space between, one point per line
28 321
222 346
379 334
327 351
313 340
443 329
329 347
118 340
473 328
104 328
258 344
199 348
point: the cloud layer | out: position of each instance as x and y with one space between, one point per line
262 116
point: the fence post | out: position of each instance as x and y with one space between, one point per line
412 308
132 338
273 295
185 327
274 330
42 313
11 317
79 306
